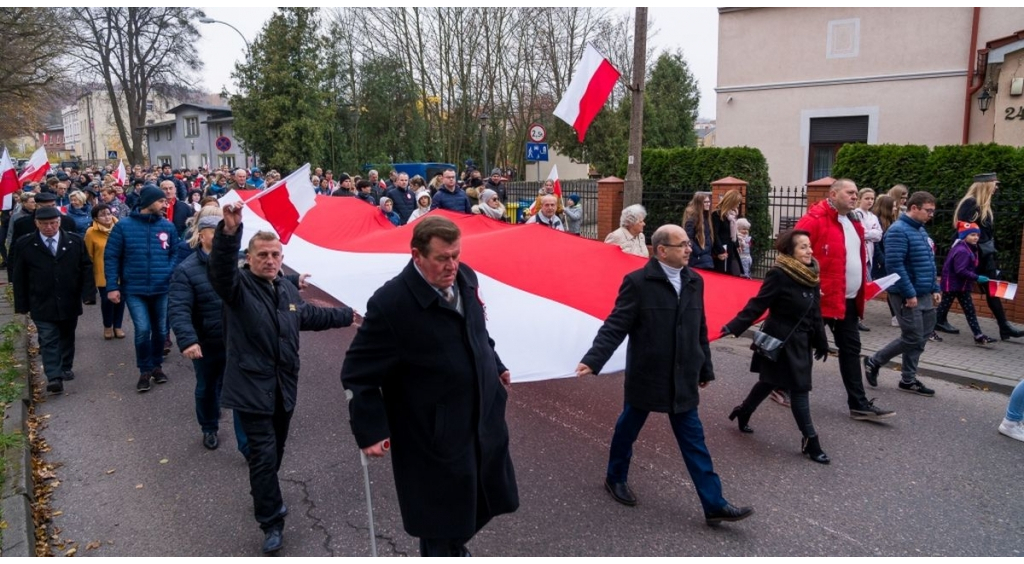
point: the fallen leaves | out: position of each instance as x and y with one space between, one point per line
164 461
111 471
92 545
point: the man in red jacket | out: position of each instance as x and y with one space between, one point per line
837 239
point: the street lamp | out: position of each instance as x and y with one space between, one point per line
984 100
484 118
205 20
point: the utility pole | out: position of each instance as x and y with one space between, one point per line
634 188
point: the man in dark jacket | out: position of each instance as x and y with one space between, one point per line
913 297
26 224
403 198
176 211
494 182
53 277
180 190
263 315
138 261
450 197
661 308
438 398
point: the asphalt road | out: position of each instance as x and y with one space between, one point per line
937 480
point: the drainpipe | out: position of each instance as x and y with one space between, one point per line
972 89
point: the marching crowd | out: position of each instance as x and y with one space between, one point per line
167 251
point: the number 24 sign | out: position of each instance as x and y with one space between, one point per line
1014 113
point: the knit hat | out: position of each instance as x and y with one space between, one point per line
149 195
965 228
495 171
486 195
575 198
343 177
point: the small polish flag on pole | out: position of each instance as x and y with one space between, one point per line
8 181
285 204
553 177
876 287
36 167
1000 289
121 175
589 89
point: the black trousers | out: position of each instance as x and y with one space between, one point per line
799 403
443 547
57 346
847 338
267 435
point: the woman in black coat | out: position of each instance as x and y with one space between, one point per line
791 292
723 223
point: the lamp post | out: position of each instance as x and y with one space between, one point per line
984 100
248 47
484 118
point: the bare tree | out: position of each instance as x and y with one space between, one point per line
31 67
135 51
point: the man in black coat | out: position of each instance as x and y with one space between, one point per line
26 224
438 398
661 308
263 315
404 199
177 211
52 278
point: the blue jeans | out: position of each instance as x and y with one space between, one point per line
689 434
149 315
209 378
1015 411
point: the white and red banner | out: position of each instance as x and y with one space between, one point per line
876 287
286 203
1000 289
121 175
543 312
36 167
589 89
8 181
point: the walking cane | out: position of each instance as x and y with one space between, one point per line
366 480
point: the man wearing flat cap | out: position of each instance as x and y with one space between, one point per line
52 278
26 225
138 262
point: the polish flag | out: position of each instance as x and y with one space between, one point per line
351 250
876 287
589 89
121 175
553 176
8 181
36 167
1000 289
287 202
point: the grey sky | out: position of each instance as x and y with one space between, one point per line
694 30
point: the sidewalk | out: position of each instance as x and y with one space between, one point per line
997 367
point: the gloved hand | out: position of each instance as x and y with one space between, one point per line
982 279
821 354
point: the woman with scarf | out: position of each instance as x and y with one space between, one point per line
723 224
490 205
95 242
791 293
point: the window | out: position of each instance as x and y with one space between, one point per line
156 134
184 161
220 131
164 160
170 133
827 135
226 159
192 127
204 160
149 105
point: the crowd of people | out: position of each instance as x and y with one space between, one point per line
167 251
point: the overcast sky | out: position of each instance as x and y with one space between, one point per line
694 30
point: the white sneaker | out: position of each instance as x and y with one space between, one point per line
895 323
1012 429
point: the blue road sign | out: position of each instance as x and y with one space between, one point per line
536 151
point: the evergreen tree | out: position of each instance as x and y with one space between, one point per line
670 103
282 112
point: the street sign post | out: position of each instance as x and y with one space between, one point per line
537 133
223 144
112 155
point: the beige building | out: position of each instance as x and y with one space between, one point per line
798 83
96 134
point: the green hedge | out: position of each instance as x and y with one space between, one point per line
675 174
947 172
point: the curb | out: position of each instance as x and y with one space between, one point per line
16 505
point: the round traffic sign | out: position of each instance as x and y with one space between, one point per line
537 133
223 144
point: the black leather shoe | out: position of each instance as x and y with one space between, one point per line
273 541
69 375
55 386
945 327
1010 332
621 493
210 440
728 513
744 418
811 446
862 327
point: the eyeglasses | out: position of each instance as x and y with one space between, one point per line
680 245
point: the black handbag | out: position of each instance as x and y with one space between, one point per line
768 346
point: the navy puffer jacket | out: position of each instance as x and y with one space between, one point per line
909 254
139 257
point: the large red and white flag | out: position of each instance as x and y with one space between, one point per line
351 250
287 202
589 89
121 175
876 287
36 167
8 181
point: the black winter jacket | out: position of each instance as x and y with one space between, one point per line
193 308
52 287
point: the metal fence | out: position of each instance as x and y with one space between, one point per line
519 196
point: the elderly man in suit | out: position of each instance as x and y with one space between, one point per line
439 399
52 278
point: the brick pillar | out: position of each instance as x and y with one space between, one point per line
818 190
723 185
609 205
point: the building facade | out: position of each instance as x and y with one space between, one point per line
97 133
196 136
798 83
